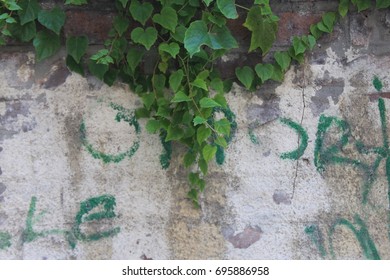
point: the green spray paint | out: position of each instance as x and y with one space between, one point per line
315 235
5 240
362 235
29 234
377 84
122 115
231 117
107 203
254 139
302 134
165 157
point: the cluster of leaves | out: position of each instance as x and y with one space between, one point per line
182 92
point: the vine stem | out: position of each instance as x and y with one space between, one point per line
242 7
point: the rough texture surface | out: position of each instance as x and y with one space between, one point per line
80 181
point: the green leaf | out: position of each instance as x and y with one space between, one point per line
152 126
315 31
311 41
46 44
228 8
148 100
199 83
193 195
202 133
283 59
344 7
77 47
199 120
97 69
134 57
179 33
180 97
206 102
24 33
124 3
141 12
53 19
76 2
246 76
299 46
172 48
209 152
121 24
382 4
198 35
74 66
203 166
217 85
174 133
223 127
144 37
29 12
362 4
263 30
328 20
208 2
11 5
264 71
189 159
167 18
175 80
163 111
221 141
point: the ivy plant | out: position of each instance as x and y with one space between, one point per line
183 94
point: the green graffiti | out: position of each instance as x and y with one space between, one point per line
377 84
253 137
29 234
165 157
315 235
107 204
302 134
231 117
122 115
5 240
362 235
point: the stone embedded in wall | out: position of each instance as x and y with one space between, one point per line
246 238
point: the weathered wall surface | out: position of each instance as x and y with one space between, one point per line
307 175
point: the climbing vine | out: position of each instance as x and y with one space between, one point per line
184 91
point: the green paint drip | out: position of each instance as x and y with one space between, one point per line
165 157
122 115
220 155
316 237
361 234
302 134
377 83
382 112
5 240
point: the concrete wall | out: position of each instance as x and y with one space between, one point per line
80 178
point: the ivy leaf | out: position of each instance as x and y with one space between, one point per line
74 66
221 141
167 18
263 30
172 48
124 3
299 46
148 100
227 8
174 133
53 19
223 127
264 71
11 5
202 134
208 2
76 47
199 83
246 76
362 4
206 102
209 152
24 33
46 44
76 2
144 37
198 35
328 20
189 159
199 120
283 59
217 85
29 12
141 12
152 126
180 97
344 7
134 57
382 4
175 80
203 166
97 69
220 99
121 24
